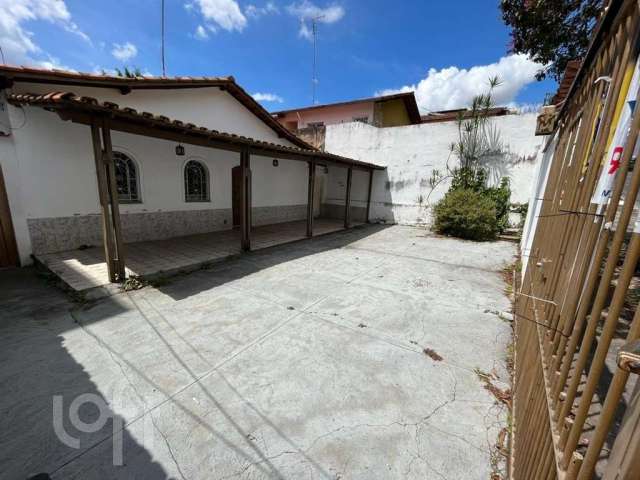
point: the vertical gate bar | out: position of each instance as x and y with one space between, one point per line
602 290
614 396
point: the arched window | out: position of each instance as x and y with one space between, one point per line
196 182
126 178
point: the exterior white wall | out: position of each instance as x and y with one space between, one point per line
204 107
402 193
535 202
49 167
286 184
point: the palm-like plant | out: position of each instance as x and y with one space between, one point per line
479 142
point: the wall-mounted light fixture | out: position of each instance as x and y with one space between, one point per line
180 150
275 162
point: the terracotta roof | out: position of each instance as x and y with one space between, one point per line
408 98
11 74
569 76
451 115
127 119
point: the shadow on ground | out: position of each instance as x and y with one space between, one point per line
37 320
36 369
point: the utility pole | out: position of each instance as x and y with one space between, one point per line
164 70
314 30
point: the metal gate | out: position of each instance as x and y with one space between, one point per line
576 411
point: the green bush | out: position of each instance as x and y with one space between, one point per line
467 214
501 196
476 179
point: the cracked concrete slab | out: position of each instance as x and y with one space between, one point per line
303 361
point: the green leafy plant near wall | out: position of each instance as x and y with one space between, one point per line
468 214
473 208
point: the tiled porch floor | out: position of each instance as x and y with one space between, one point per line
86 269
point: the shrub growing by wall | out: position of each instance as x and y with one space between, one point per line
467 214
502 197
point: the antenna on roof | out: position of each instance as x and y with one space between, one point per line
314 31
164 71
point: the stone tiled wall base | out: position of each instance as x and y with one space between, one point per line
69 233
330 210
270 215
58 234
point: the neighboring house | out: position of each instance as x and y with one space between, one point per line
169 173
387 111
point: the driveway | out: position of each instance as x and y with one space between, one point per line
304 361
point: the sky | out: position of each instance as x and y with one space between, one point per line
444 51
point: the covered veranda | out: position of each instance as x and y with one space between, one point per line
115 260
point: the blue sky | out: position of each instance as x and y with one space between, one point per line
444 50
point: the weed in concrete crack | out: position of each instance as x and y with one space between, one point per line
362 325
432 354
502 396
134 283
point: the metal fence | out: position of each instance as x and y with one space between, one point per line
576 405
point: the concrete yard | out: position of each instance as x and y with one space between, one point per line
303 361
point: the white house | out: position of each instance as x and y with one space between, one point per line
84 165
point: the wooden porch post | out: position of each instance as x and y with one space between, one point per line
245 224
113 198
366 218
103 195
347 203
311 195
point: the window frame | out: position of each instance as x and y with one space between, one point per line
207 176
136 166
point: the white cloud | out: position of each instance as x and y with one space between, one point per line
201 33
454 87
224 13
307 11
17 41
124 52
270 8
267 97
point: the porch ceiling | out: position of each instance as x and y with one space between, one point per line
88 111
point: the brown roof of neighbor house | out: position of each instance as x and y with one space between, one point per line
10 74
451 115
87 110
569 76
408 97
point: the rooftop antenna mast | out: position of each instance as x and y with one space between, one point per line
164 70
314 31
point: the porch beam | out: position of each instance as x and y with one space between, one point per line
347 203
311 196
245 202
112 190
163 131
366 218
